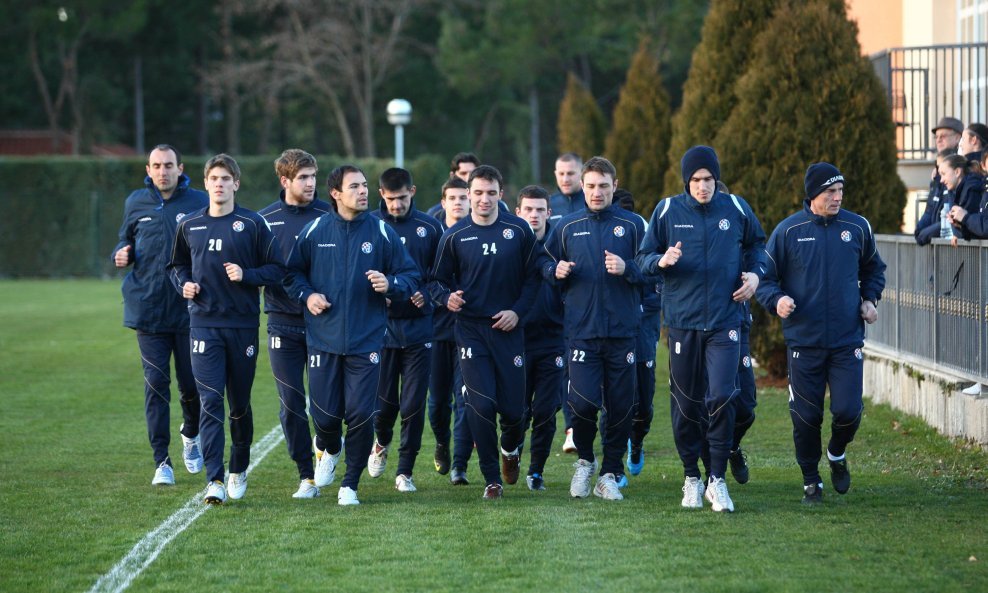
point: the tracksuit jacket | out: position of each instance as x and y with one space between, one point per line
544 322
720 240
332 256
150 302
562 204
829 265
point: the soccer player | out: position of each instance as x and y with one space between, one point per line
594 264
297 205
824 261
487 273
344 266
460 167
152 308
545 351
222 256
407 354
710 250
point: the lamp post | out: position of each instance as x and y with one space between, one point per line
399 114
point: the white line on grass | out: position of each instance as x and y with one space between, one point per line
143 554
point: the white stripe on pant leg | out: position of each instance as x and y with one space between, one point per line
145 551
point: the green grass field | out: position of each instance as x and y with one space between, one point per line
75 469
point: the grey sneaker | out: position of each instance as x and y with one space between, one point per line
236 485
717 494
693 493
325 465
607 488
192 454
163 475
377 460
579 486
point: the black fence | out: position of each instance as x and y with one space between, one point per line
924 84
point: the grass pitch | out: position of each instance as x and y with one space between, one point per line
75 469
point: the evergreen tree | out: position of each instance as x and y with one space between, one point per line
639 136
809 96
722 56
581 125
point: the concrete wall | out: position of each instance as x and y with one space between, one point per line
929 394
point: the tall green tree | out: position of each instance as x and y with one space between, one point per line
581 125
729 31
809 95
639 135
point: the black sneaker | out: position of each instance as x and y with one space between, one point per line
739 466
840 478
458 477
813 494
535 481
441 459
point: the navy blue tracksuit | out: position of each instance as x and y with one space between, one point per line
828 266
407 356
331 257
601 318
286 333
720 240
152 308
223 321
496 267
645 347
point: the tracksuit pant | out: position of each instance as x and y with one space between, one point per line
156 351
811 371
703 375
288 355
343 388
602 377
745 402
406 369
493 366
445 396
641 422
544 382
224 359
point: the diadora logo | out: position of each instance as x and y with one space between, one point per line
650 364
619 231
832 181
179 216
845 236
468 239
325 244
630 358
403 241
724 224
508 234
276 222
733 335
374 357
559 362
367 247
581 233
519 361
857 353
746 361
682 226
145 219
238 225
250 351
420 231
806 239
198 228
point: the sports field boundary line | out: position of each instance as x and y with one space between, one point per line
146 551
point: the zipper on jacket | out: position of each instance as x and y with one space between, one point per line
346 258
706 269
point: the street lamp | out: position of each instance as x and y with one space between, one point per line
399 114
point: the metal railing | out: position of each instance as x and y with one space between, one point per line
923 84
935 305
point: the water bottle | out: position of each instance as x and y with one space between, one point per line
946 230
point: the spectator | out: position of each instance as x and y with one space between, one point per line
974 139
928 225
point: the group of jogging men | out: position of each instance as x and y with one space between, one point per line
490 319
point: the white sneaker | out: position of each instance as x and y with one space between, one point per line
568 445
306 489
693 493
325 465
215 493
579 486
347 497
607 488
236 485
163 476
973 390
377 460
404 483
192 454
717 494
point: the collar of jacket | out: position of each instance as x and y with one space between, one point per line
340 220
390 218
696 205
602 214
181 186
818 218
297 209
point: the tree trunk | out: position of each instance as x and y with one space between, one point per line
536 146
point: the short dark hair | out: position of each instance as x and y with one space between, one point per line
178 155
571 157
533 192
451 183
292 161
395 179
463 157
488 173
599 164
222 160
624 199
335 180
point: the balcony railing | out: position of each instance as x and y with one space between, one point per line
924 84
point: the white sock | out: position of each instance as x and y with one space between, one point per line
833 457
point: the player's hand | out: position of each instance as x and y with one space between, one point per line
378 281
190 290
785 307
234 272
957 215
505 320
749 284
671 255
614 264
868 312
455 301
122 257
317 303
563 268
418 300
